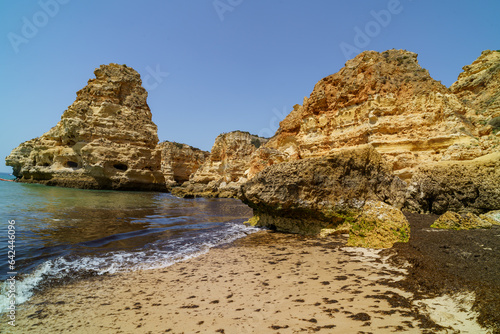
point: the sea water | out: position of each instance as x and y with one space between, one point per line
63 234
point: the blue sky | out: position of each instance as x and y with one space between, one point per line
215 66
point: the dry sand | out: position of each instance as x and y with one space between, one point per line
264 283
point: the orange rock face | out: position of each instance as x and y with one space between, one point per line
478 86
383 99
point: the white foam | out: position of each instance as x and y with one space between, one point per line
120 261
25 287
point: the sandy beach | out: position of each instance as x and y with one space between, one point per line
264 283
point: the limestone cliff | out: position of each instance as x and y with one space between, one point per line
222 173
179 161
105 140
383 99
478 87
318 173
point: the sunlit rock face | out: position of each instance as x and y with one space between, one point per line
432 148
105 140
389 101
478 86
223 172
180 161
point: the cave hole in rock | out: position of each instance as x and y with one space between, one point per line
71 164
120 166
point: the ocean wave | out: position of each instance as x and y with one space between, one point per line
160 254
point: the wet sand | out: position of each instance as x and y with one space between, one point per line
264 283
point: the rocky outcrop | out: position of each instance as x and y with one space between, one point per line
312 194
222 173
386 100
379 225
492 217
478 88
179 161
458 186
105 140
453 221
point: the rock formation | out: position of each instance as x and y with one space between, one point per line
386 100
379 225
478 87
179 161
492 217
222 173
458 186
104 140
312 194
431 149
453 221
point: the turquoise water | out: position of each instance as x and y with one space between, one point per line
64 234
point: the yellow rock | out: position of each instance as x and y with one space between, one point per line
454 221
378 226
105 140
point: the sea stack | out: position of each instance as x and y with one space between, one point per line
105 140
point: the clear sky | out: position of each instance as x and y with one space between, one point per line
213 66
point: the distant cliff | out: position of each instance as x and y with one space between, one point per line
222 173
179 161
105 140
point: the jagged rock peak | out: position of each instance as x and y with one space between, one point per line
118 84
371 73
105 140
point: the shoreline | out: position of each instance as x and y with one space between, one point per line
265 282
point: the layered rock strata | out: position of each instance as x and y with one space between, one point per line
478 88
442 142
105 140
179 161
328 192
386 100
222 173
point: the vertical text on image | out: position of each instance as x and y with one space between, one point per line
11 273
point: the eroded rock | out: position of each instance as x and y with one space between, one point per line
387 100
222 173
310 195
478 87
105 140
453 221
180 161
379 225
458 186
